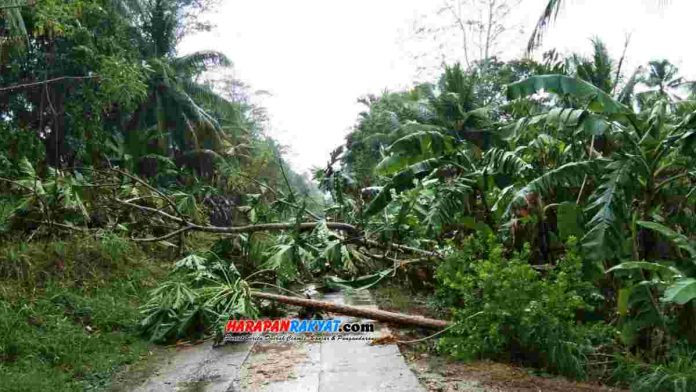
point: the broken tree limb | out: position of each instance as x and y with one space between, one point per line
185 225
149 209
304 226
144 183
404 248
250 229
372 314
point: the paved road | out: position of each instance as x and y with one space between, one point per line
199 368
328 366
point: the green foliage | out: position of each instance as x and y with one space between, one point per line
65 307
680 240
400 182
605 236
681 291
17 146
569 220
506 162
673 374
201 293
575 150
598 100
504 307
413 148
570 174
75 262
122 83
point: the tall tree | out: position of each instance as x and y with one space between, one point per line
464 31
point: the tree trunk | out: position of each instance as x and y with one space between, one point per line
372 314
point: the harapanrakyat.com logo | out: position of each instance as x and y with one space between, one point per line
302 329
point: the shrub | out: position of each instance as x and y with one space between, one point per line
65 334
504 309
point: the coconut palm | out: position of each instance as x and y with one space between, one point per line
547 16
184 113
662 81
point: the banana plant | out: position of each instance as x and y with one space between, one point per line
678 278
641 160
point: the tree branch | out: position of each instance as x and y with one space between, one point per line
150 209
402 248
26 85
250 229
157 191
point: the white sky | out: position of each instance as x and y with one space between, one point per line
316 57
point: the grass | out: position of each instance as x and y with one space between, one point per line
676 373
69 312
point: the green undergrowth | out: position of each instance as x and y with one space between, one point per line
507 311
69 312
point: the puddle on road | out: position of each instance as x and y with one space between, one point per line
358 298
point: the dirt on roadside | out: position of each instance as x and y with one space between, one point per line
440 375
272 362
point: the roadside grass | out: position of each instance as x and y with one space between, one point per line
69 312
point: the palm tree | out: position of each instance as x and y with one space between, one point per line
547 16
662 81
183 112
12 26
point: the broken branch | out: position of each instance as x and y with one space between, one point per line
250 229
153 189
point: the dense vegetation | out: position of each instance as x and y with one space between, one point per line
94 97
549 205
561 197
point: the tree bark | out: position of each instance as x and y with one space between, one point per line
372 314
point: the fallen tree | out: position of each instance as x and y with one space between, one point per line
372 314
355 234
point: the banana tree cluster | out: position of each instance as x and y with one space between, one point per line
586 153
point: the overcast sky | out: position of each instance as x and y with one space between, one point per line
316 57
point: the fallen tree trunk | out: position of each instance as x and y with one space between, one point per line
372 314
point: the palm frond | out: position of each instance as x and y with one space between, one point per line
17 36
400 182
195 63
599 101
449 201
550 13
498 160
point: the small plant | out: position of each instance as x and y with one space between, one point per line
676 373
